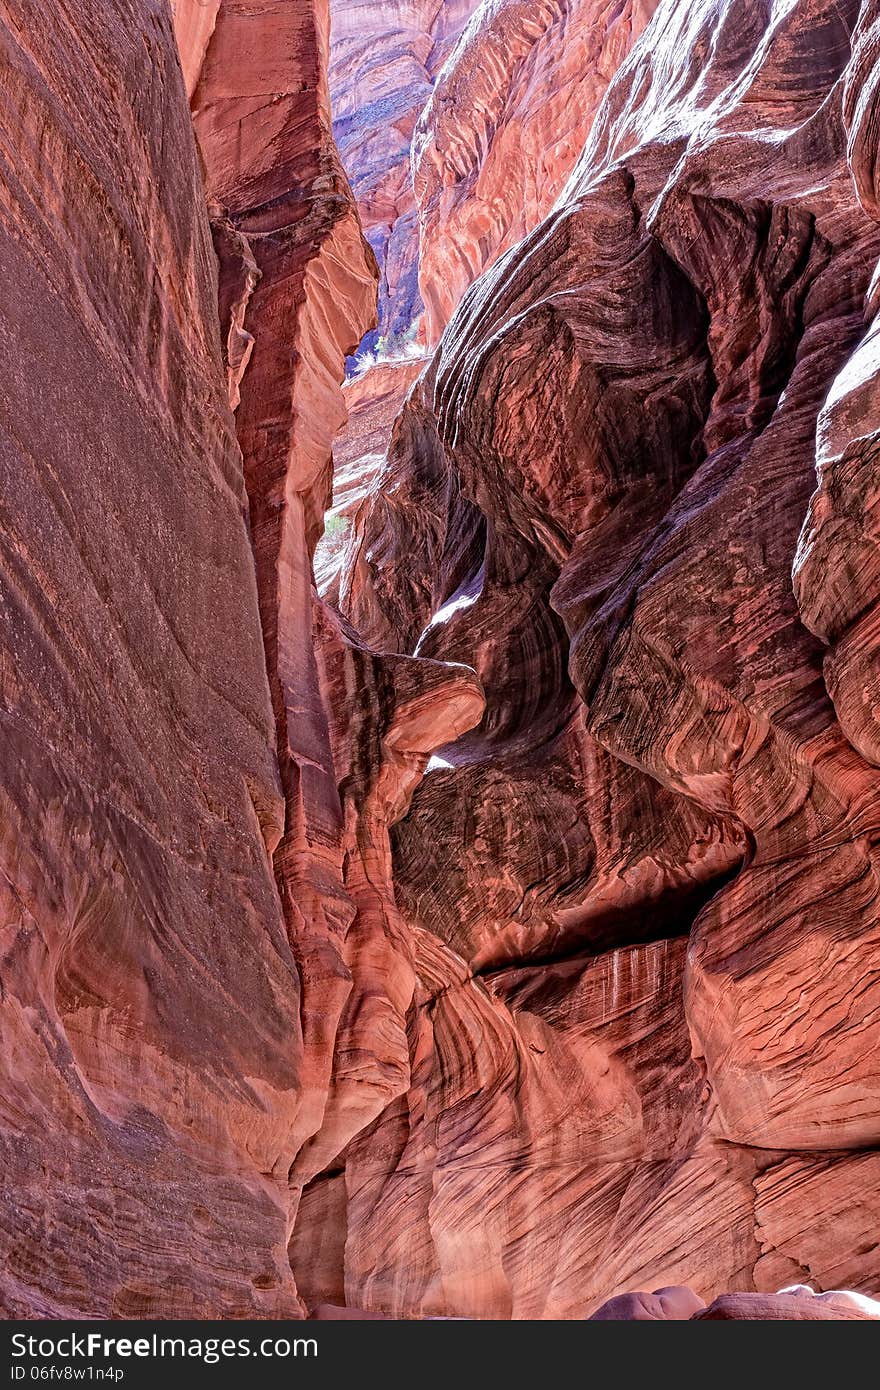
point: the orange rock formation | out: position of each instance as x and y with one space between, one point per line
497 935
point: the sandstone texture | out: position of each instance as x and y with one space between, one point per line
384 61
633 491
194 23
151 1055
494 934
372 399
503 128
353 730
799 1303
204 991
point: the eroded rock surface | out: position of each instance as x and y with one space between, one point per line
799 1303
151 1057
648 961
385 59
502 936
205 978
373 400
353 730
503 128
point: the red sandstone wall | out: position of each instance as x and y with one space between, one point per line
151 1055
647 969
508 940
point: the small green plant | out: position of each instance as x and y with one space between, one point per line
391 347
335 525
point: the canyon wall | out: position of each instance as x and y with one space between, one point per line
384 60
482 133
352 729
151 1057
458 122
373 399
502 934
203 990
503 128
634 491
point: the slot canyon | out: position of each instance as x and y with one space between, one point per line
440 659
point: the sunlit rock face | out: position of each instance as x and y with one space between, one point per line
373 398
385 58
633 492
194 23
503 128
458 122
798 1303
354 730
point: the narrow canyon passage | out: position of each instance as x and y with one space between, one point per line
439 800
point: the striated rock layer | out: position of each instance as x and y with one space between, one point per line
504 936
204 984
384 61
353 730
799 1303
503 128
150 1047
373 399
634 492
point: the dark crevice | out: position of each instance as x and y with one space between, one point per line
669 918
